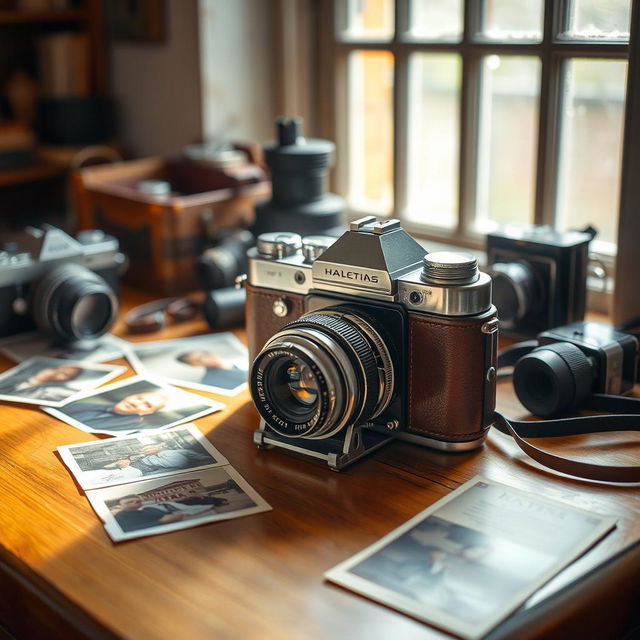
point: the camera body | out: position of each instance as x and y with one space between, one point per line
539 276
571 363
47 278
367 339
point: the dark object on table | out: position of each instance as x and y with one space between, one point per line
299 200
224 308
368 340
572 363
539 276
163 234
65 286
220 265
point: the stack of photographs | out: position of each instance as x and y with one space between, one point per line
157 482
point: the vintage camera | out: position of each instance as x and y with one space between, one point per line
573 362
368 339
539 276
221 264
64 286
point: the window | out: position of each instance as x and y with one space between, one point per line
456 116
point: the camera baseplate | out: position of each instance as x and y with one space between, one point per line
338 452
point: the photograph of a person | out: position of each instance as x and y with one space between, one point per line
26 345
135 404
217 362
473 557
148 455
158 506
52 382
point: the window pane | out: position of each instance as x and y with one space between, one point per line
591 146
508 140
436 20
434 123
599 20
513 19
365 19
371 131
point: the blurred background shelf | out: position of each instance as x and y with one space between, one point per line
14 16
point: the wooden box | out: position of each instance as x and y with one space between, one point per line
162 237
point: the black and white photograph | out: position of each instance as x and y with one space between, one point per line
473 557
217 362
153 454
52 382
26 345
135 404
162 505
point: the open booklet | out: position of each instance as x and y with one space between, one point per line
468 561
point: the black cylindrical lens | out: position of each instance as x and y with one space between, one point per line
553 378
224 308
219 266
73 303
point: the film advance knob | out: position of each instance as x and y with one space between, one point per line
449 268
278 244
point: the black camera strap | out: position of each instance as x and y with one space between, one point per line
519 430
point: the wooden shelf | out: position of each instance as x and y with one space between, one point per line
30 17
30 173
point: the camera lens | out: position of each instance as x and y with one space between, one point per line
73 303
514 291
323 372
219 266
553 378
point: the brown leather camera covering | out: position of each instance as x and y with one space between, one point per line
262 323
446 376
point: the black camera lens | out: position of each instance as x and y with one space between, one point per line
553 378
73 303
219 266
321 373
515 291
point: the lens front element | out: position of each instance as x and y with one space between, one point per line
322 372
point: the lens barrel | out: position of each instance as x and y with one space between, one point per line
514 291
553 378
321 373
73 303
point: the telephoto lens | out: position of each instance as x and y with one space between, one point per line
73 303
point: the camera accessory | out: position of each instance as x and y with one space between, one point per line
219 266
152 316
340 336
539 276
224 308
299 201
73 303
65 286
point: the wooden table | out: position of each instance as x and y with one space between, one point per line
261 576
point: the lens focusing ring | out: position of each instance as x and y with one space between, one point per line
351 339
553 378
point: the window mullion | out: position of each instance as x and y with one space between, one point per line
400 111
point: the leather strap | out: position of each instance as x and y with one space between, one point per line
520 430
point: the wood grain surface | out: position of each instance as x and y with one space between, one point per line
259 576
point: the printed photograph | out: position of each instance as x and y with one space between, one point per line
217 362
152 454
470 559
26 345
163 505
135 404
52 382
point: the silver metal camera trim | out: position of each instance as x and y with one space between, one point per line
279 274
459 300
